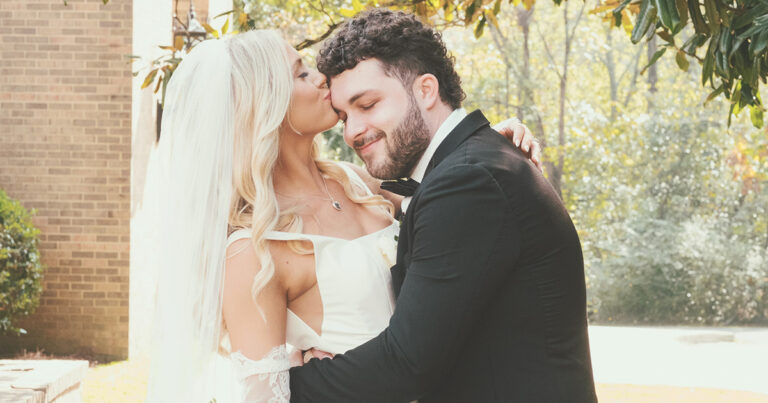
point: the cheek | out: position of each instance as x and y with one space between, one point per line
386 117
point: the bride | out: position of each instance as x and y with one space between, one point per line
259 243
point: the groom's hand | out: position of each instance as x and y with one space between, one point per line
315 353
519 135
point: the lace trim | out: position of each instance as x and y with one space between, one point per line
276 360
267 379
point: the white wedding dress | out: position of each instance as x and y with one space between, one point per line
356 292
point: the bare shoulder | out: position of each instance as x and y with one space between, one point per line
243 262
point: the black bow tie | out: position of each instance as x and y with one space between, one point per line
403 187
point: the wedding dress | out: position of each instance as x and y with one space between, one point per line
356 294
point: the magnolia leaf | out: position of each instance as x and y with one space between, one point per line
646 17
178 43
225 28
210 30
479 28
759 43
713 18
666 36
148 80
682 11
157 87
707 68
715 93
667 11
224 13
496 8
653 60
681 60
756 115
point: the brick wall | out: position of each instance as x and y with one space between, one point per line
65 150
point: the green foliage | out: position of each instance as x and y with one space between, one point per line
335 148
668 200
729 39
676 234
20 267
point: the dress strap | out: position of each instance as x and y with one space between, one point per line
242 233
271 235
287 236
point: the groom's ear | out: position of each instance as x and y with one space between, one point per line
426 90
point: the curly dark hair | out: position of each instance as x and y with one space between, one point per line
406 47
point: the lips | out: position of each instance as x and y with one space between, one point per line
365 144
368 145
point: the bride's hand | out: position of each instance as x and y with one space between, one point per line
519 135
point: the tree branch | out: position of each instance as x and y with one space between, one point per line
309 42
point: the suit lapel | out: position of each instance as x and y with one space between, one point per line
469 125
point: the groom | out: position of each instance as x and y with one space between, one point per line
489 273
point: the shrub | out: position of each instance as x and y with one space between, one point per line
20 268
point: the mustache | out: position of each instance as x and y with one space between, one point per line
367 139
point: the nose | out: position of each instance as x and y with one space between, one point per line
353 128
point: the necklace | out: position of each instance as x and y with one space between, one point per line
334 203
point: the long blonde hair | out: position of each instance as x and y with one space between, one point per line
262 84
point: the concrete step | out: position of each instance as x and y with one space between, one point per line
41 381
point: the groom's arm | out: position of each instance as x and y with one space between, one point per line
465 242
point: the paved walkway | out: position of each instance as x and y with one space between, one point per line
723 358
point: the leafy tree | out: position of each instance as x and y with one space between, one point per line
20 267
728 38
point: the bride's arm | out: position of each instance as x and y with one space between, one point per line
256 328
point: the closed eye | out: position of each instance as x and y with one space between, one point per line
303 75
367 107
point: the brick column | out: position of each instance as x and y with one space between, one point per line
65 150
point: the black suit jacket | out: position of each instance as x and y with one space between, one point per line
491 300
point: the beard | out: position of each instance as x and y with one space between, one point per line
404 146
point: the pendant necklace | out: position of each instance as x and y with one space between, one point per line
334 202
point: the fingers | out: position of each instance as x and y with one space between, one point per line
519 134
536 155
527 138
508 133
315 353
